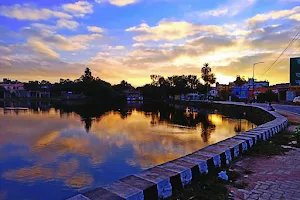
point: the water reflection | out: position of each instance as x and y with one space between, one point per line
65 148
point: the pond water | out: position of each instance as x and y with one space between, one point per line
54 151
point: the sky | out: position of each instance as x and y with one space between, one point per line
132 39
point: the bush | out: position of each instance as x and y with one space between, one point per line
268 96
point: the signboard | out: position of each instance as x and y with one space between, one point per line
295 71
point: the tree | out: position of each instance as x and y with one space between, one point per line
207 76
87 77
2 90
122 86
268 96
240 81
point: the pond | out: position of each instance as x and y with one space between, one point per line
54 151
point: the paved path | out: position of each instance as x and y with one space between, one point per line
275 178
289 108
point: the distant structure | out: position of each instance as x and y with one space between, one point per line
17 89
12 86
133 95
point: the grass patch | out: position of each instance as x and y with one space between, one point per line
272 146
266 148
291 123
208 190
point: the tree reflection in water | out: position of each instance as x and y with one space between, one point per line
85 145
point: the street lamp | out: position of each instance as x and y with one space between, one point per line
253 76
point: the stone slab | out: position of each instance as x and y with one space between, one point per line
201 164
149 188
125 191
102 194
216 157
162 178
79 197
184 171
235 148
247 138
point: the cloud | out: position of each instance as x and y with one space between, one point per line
85 38
72 25
79 9
60 42
56 41
173 30
60 24
232 8
27 12
295 17
5 50
95 29
42 49
260 18
119 3
138 45
116 48
209 43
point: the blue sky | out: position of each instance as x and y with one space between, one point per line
132 39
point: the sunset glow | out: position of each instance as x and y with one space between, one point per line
132 39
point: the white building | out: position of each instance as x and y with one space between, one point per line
12 86
257 84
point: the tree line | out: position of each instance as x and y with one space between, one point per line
162 87
159 88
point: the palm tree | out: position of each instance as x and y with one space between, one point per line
207 76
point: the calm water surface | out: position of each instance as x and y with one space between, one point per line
54 151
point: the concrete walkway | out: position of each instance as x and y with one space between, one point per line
276 177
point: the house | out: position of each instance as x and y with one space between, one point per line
133 95
282 89
213 92
241 92
257 84
192 97
12 86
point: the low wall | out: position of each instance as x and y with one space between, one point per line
160 181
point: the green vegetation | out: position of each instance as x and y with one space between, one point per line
208 77
212 189
88 86
162 87
240 81
272 146
296 135
268 96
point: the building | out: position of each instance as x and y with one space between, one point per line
282 89
296 89
241 92
224 90
17 89
257 84
192 97
213 92
12 86
133 95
